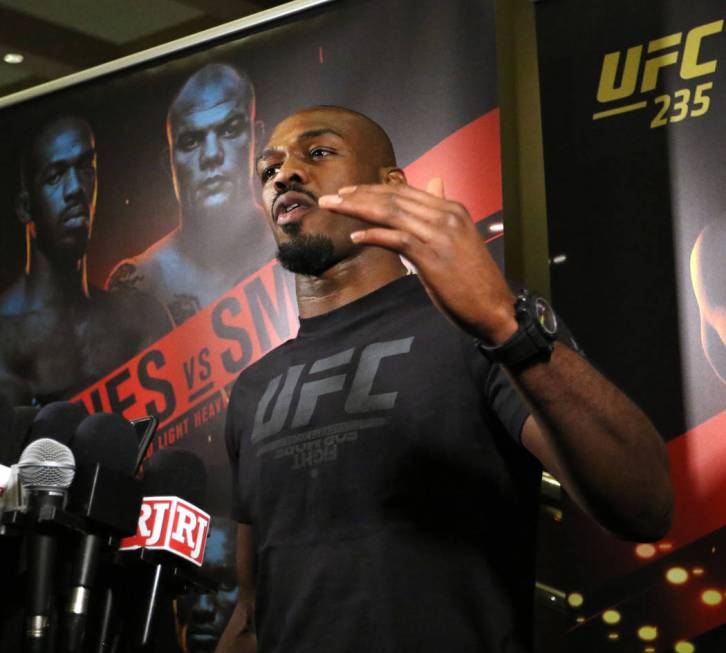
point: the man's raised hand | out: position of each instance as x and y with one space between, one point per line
438 236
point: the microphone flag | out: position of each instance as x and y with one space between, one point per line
170 524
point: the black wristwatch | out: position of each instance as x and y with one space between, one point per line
535 338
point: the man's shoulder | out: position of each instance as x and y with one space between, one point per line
130 309
129 274
145 271
136 301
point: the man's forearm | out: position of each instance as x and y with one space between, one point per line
587 433
601 447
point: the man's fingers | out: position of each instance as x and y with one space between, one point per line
398 241
423 196
435 186
399 208
387 210
427 224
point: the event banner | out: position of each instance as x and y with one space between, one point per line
634 122
137 271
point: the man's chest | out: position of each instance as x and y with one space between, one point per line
59 349
347 430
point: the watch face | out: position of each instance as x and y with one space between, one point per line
546 317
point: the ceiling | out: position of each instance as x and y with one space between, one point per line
60 37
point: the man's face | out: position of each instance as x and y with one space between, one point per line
62 187
210 144
310 154
203 617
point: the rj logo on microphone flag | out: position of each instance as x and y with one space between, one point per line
170 524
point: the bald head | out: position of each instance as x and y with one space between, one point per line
209 87
378 143
210 129
316 152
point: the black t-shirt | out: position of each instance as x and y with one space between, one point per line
377 458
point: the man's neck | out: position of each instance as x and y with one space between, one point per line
347 281
51 282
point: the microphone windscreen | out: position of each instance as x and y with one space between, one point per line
108 439
176 472
58 421
46 464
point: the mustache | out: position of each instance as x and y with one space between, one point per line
297 188
292 228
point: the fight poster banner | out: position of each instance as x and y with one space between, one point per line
138 273
633 106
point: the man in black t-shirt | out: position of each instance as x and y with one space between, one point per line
386 461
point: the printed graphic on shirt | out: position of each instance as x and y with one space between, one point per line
288 404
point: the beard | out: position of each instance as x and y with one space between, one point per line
308 255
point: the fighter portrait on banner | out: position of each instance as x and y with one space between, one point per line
220 239
60 332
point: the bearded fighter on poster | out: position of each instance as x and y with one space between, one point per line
58 333
220 240
387 461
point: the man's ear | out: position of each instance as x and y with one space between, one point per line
22 207
393 176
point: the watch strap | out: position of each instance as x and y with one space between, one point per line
528 344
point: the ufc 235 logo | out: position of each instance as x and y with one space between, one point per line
633 74
271 416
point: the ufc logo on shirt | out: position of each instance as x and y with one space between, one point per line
360 398
170 524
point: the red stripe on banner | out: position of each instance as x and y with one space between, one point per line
469 162
202 356
698 461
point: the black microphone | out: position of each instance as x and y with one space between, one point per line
105 449
46 469
57 420
169 473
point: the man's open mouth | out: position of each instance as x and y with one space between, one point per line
291 206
